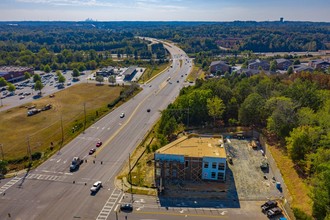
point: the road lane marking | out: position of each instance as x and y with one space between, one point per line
9 184
108 206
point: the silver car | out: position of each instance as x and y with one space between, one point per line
96 186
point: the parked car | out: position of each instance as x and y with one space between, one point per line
92 151
148 110
98 144
126 207
22 97
268 205
96 186
274 212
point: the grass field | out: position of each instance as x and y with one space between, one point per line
17 129
152 71
196 73
297 187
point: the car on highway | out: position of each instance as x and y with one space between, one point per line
92 151
96 186
126 207
98 144
122 115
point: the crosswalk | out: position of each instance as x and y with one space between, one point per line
107 208
9 184
45 177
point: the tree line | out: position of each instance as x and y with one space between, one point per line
294 108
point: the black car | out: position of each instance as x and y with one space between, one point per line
268 205
126 207
273 212
148 110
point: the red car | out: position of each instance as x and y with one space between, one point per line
98 144
92 151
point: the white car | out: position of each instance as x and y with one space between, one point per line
96 186
122 115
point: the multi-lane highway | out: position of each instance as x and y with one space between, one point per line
52 192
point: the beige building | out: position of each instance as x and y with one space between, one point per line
191 158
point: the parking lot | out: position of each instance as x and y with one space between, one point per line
25 92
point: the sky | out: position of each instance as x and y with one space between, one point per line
164 10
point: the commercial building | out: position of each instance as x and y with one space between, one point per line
14 73
191 158
129 73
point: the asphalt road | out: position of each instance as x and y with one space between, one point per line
52 192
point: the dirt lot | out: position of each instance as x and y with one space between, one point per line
248 176
245 181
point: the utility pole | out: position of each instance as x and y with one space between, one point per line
85 116
130 174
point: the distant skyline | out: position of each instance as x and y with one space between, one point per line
164 10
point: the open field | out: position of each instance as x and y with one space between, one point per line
18 130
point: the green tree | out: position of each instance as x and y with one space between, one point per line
75 73
61 79
273 66
215 107
321 183
3 167
82 67
112 79
27 75
305 94
11 87
36 77
99 79
283 117
38 86
47 68
290 70
302 141
250 112
3 82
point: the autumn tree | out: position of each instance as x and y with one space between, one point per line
215 107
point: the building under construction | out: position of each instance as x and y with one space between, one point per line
191 158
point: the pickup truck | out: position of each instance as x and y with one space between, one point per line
76 161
